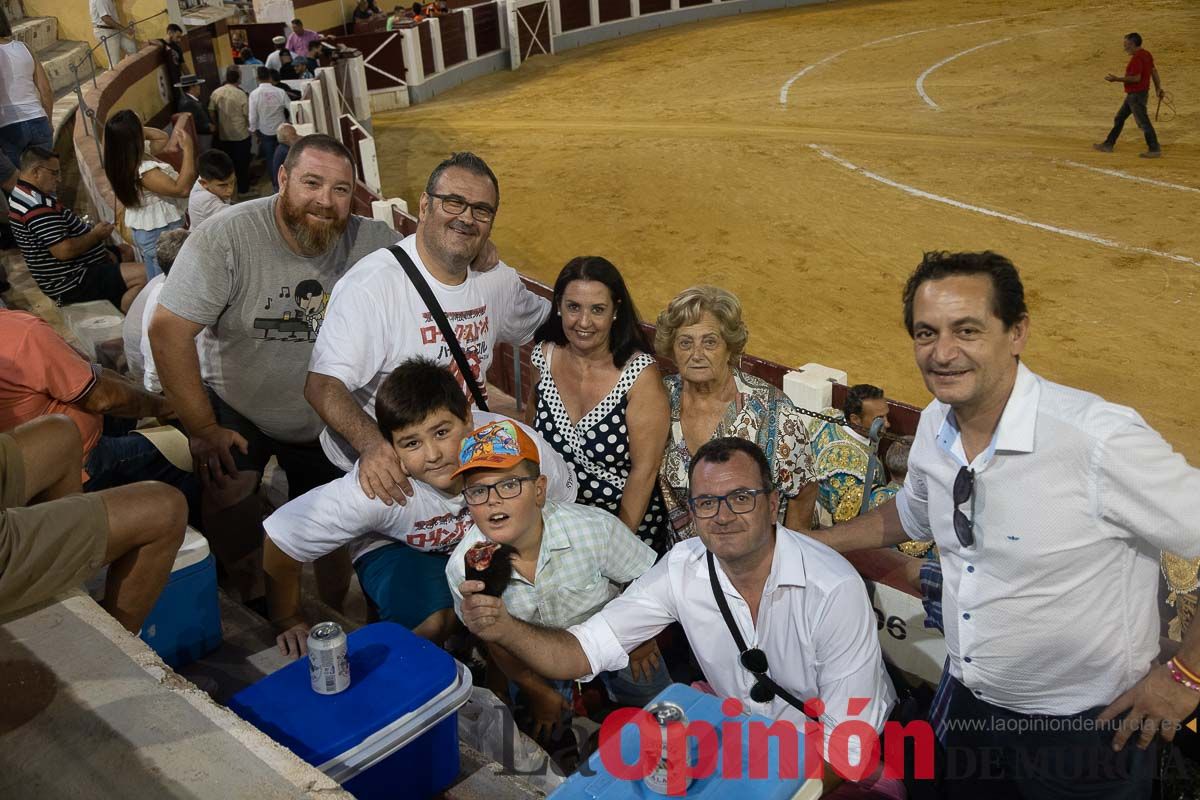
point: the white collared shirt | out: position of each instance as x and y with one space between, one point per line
815 624
1054 609
268 108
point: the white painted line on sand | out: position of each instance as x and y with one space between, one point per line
937 198
1116 173
783 91
921 80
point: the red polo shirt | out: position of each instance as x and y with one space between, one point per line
1141 64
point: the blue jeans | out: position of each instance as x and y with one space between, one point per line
15 138
147 243
121 460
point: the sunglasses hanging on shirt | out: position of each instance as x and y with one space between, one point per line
753 660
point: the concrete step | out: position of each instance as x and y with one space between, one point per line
57 60
37 33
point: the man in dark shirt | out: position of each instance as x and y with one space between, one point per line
189 101
1137 90
68 258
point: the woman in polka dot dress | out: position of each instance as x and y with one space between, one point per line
599 399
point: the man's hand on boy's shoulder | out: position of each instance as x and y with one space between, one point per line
381 475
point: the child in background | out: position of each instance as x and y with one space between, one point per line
214 189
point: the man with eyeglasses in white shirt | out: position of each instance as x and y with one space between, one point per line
376 318
1049 507
800 610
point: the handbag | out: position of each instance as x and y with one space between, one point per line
439 316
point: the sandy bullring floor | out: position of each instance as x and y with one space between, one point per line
805 159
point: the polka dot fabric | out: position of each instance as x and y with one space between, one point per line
597 447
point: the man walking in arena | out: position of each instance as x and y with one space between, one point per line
1137 91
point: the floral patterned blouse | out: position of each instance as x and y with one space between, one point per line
762 414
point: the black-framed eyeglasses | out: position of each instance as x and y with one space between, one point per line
455 205
964 490
741 501
755 662
478 494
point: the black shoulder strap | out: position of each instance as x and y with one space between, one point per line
787 696
439 316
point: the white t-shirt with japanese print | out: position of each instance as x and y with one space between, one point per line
376 320
322 519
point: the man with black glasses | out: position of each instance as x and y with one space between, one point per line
377 318
791 621
1049 507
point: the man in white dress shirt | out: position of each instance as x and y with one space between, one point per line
268 110
1050 507
798 602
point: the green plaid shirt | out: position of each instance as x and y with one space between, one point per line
585 554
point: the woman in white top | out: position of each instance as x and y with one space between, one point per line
149 189
26 101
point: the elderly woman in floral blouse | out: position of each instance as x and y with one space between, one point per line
702 331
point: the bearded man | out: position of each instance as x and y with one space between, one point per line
252 284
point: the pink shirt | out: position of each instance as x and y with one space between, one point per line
298 42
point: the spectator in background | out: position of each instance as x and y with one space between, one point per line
312 61
189 101
278 82
703 332
230 108
268 110
362 13
26 105
299 39
108 30
41 374
396 17
248 58
286 134
214 188
418 14
68 259
273 58
149 189
599 396
169 245
133 329
52 538
173 61
247 403
841 453
376 319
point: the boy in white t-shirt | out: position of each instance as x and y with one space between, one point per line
213 191
399 551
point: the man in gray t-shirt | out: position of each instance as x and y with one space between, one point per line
254 283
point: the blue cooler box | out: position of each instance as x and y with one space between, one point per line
696 706
393 733
185 623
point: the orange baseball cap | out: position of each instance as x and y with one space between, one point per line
497 445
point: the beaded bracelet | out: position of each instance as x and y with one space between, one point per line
1187 673
1180 678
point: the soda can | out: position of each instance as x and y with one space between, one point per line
328 664
665 713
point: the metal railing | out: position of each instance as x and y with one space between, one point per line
89 114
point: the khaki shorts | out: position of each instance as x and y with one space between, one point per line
48 547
